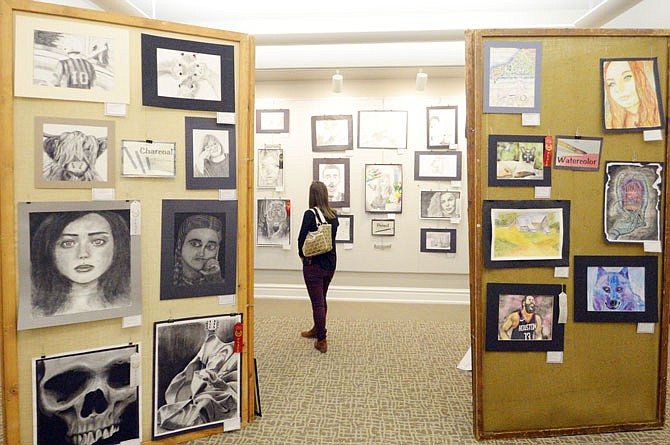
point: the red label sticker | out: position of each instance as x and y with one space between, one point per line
239 329
548 150
288 207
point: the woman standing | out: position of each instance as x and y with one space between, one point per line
318 270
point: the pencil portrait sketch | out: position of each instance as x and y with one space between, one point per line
270 168
273 222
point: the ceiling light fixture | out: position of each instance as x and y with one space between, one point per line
337 82
421 80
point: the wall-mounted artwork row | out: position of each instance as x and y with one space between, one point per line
78 262
198 249
197 374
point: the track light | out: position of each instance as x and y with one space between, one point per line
421 80
337 82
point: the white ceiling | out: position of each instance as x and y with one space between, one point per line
304 37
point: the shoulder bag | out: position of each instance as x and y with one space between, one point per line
319 241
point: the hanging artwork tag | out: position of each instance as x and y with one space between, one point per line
135 362
562 308
548 150
239 330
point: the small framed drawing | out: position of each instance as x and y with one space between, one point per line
273 222
345 231
332 133
438 240
198 248
185 351
74 153
270 167
383 188
517 161
382 129
512 73
334 172
440 204
187 74
526 233
578 153
148 159
631 94
71 60
272 121
616 289
523 317
58 284
383 227
633 201
437 166
442 127
211 154
94 387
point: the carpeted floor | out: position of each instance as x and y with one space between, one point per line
381 382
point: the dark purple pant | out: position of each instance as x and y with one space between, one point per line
317 281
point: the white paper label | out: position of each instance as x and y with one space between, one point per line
348 247
227 195
455 220
231 424
390 216
456 184
554 356
652 135
401 151
562 308
349 153
645 328
131 442
226 118
226 299
652 246
530 119
279 188
135 218
286 246
131 321
562 272
542 192
99 194
135 364
466 362
113 109
346 209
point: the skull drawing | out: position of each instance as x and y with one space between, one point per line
89 392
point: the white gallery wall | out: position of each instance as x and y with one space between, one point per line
372 268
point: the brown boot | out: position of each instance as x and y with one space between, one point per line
321 345
309 334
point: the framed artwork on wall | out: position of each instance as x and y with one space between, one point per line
530 233
74 153
345 231
273 222
631 94
442 126
334 172
440 204
187 74
71 60
57 283
87 394
616 289
148 159
383 227
332 133
270 167
272 121
198 248
517 161
382 129
437 166
512 77
578 153
197 370
632 212
523 317
211 154
438 240
383 188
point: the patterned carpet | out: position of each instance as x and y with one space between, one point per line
381 382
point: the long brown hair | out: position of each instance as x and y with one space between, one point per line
318 197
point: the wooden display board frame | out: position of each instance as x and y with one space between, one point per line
17 113
519 394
